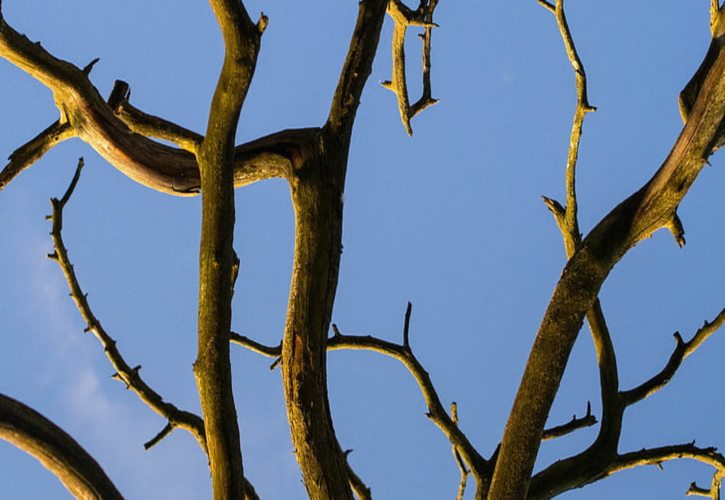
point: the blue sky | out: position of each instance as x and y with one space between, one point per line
450 220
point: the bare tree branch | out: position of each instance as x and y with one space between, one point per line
124 372
215 156
436 411
157 166
150 125
574 424
56 450
362 491
682 350
636 218
403 17
464 471
33 150
357 67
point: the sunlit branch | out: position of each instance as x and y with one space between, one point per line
362 491
462 469
56 450
357 67
656 456
403 17
150 125
155 165
215 156
30 152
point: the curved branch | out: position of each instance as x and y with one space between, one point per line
436 411
124 372
682 350
157 166
56 450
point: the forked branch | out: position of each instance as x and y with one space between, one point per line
403 17
636 218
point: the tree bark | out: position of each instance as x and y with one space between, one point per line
215 155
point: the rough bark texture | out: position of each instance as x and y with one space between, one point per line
215 155
317 185
317 199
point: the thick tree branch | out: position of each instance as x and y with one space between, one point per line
33 150
56 450
159 167
650 208
317 185
124 372
215 156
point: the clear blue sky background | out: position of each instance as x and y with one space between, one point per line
451 220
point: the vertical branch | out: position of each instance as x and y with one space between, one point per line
215 155
403 17
317 183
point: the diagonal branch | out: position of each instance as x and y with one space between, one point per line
572 425
56 450
124 372
652 207
30 152
403 17
404 354
682 350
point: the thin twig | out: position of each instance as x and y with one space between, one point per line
682 350
574 424
150 125
33 150
459 460
362 491
130 376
